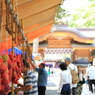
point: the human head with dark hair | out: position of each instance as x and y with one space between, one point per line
25 63
67 60
26 66
42 65
63 66
91 63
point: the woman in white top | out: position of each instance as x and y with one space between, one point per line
65 80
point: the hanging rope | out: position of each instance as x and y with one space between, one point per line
12 30
23 47
8 17
1 10
0 42
6 40
16 30
17 8
29 53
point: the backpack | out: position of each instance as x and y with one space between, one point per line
75 78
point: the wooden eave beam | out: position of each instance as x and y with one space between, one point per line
80 47
76 37
34 19
33 7
36 6
44 32
38 26
39 32
29 29
30 47
27 34
17 2
39 17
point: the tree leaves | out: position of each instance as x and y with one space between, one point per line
82 17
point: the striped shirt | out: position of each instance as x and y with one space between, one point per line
30 79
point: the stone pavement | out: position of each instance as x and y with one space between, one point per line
52 86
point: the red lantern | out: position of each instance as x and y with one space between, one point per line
4 75
1 88
5 82
3 67
7 88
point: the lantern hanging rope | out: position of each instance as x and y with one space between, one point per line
29 53
1 10
6 42
12 29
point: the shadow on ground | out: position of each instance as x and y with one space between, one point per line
51 91
51 88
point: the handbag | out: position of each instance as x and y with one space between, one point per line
82 82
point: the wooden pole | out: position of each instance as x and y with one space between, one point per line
1 10
1 4
23 48
12 29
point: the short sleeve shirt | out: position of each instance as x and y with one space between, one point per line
30 79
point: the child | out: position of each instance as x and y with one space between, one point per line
65 80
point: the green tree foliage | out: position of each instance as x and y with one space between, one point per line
60 14
91 0
82 17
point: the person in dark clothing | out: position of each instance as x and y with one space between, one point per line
42 78
91 75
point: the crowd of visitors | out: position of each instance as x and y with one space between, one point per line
33 85
71 81
77 87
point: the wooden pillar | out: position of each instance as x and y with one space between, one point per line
35 45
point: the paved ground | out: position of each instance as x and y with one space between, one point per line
53 85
